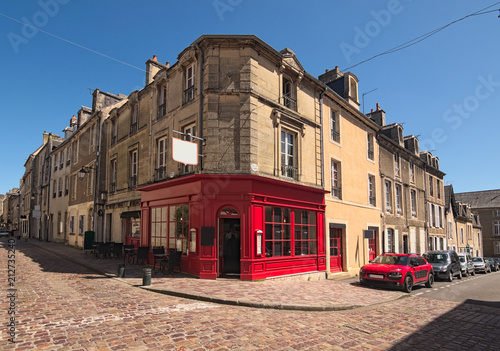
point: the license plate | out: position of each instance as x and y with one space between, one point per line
376 276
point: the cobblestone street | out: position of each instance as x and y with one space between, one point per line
63 305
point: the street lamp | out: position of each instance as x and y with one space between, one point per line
82 172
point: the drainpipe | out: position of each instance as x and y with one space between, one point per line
47 226
322 152
200 113
426 205
96 176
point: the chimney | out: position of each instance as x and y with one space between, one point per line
154 58
378 116
167 64
152 67
331 76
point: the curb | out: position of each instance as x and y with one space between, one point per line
222 301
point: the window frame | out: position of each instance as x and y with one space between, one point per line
397 165
289 92
134 161
388 196
496 228
289 170
372 194
399 198
334 126
336 179
370 147
413 202
189 83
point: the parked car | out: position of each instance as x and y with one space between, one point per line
4 233
466 264
399 270
445 264
481 265
493 264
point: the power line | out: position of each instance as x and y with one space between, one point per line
424 36
72 43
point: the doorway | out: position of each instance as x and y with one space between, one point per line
229 247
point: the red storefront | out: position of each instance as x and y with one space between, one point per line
251 226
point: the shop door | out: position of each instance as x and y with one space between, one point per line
229 247
372 246
335 249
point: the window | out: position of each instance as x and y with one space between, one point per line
288 163
133 169
77 150
372 200
54 188
162 102
496 213
450 230
189 134
412 172
413 199
399 199
68 157
334 126
61 160
305 233
497 247
90 183
72 224
391 241
114 131
336 184
438 188
277 231
289 94
81 224
189 92
170 227
59 189
55 161
431 186
496 229
388 197
75 179
353 89
92 137
112 178
66 185
370 148
133 119
397 168
161 170
461 235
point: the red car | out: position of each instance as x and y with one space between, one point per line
400 270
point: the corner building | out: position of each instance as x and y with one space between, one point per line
254 203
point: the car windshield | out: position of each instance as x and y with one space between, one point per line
436 258
461 258
477 259
391 259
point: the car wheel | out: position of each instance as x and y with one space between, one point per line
473 272
450 276
466 273
459 274
430 281
408 284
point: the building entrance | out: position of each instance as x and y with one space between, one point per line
229 246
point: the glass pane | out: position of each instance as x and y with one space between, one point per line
305 217
277 233
312 247
305 248
335 252
185 229
305 232
153 214
297 232
269 249
171 232
269 232
296 214
286 232
269 214
278 248
277 214
185 209
163 214
312 233
287 248
171 243
172 213
286 215
312 217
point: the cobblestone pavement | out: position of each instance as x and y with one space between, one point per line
63 305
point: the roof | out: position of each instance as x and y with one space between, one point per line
480 199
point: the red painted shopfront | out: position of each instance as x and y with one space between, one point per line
251 226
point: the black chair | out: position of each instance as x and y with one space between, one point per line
128 252
96 247
158 255
117 250
174 260
142 254
103 250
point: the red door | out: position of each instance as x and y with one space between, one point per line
335 249
372 247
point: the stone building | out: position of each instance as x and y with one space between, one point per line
487 205
351 164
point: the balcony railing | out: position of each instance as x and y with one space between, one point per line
132 182
335 136
289 172
337 192
112 187
160 173
189 94
133 128
162 110
370 154
373 201
290 102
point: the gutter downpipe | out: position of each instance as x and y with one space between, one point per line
97 184
200 113
322 152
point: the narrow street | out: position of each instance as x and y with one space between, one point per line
60 305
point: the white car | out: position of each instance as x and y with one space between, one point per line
4 233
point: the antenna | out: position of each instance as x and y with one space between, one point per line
363 96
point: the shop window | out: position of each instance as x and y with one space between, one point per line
305 233
179 228
159 226
278 232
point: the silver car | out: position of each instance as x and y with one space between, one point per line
481 265
466 264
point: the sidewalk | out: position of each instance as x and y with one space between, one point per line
321 295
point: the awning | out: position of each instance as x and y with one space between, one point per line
131 214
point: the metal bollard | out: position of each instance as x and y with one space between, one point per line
121 270
146 276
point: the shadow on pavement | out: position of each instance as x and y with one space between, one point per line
472 325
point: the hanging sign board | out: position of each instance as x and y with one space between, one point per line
184 151
369 234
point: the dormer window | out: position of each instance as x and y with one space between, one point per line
289 99
353 89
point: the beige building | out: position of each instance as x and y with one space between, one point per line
351 162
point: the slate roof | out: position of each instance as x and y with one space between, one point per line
480 199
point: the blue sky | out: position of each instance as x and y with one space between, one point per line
445 89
